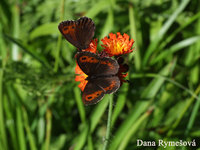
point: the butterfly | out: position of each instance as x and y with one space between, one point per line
102 75
79 33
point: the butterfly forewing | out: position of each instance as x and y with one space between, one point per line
79 33
85 31
93 65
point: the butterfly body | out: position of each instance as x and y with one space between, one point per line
102 76
79 33
99 76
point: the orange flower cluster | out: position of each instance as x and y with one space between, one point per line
115 45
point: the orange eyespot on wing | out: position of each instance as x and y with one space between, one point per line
88 59
68 29
108 84
102 76
92 64
111 86
96 89
92 94
79 33
109 64
88 62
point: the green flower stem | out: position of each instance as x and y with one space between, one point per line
48 129
108 125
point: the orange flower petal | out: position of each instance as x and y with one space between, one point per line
117 44
82 85
81 77
92 47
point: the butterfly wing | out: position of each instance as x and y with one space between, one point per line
109 84
97 88
92 93
79 33
91 64
102 78
85 31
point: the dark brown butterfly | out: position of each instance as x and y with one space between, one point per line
102 76
79 33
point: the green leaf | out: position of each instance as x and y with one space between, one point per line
44 30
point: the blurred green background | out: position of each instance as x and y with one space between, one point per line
40 103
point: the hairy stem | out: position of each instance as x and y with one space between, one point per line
108 125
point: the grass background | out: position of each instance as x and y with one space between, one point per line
40 103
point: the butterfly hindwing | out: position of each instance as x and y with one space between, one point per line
107 66
92 93
109 84
92 64
79 33
98 87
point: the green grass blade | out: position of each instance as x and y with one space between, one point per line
97 8
16 30
80 104
3 136
163 30
41 129
30 135
93 121
11 127
20 129
99 111
134 35
183 111
90 145
120 103
193 116
80 140
81 109
139 108
48 129
33 54
155 85
136 111
152 75
172 36
108 24
133 130
176 47
108 129
59 42
59 143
